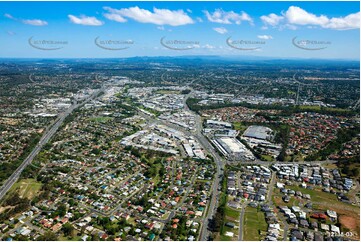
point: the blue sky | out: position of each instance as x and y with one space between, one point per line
318 29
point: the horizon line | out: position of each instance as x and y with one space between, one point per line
195 56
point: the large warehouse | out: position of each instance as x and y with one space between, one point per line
258 132
232 148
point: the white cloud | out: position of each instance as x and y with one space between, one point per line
84 20
289 26
222 17
115 17
199 19
221 30
35 22
351 21
208 46
9 16
158 16
271 19
297 16
264 37
11 33
160 27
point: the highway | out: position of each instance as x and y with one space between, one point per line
49 133
219 161
204 234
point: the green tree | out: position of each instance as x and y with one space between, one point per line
67 229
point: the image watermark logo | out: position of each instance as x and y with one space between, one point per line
179 44
306 44
44 44
113 44
245 44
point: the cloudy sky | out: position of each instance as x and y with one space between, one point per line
124 29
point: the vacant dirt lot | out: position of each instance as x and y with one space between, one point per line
351 223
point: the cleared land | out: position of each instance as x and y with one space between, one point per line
26 188
231 216
254 223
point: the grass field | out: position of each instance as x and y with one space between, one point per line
157 179
254 222
225 238
291 92
307 107
165 91
337 109
318 108
267 157
101 119
231 215
26 187
239 126
317 195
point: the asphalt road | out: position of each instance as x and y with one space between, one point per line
204 234
216 182
49 133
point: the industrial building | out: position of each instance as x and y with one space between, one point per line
258 132
219 124
232 148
